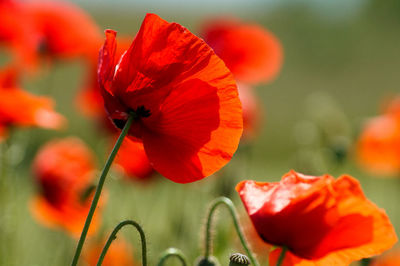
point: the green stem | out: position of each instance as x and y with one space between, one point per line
173 252
113 236
281 256
232 210
96 196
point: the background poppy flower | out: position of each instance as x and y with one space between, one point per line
64 172
316 217
188 112
378 147
252 53
17 34
20 108
133 160
64 30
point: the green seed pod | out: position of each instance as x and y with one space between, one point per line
210 261
237 259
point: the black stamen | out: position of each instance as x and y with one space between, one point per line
140 112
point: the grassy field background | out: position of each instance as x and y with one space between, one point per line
335 71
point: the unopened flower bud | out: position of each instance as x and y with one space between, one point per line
237 259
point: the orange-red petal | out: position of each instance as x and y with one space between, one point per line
20 108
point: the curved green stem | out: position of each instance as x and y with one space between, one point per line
232 210
281 256
113 236
173 252
102 178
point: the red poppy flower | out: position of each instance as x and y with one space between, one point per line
188 112
64 30
378 147
317 218
119 253
252 53
20 108
133 160
64 172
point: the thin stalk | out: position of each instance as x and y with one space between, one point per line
173 252
232 210
102 178
281 256
113 236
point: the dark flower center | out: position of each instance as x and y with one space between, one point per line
139 112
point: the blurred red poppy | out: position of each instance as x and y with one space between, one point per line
64 30
119 253
252 53
54 29
317 219
17 34
133 160
64 172
187 109
378 147
20 108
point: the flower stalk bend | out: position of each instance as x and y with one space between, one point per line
113 236
99 188
232 210
173 252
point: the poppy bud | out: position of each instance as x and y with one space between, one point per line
237 259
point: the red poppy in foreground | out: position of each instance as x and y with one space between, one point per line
20 108
185 100
319 219
119 253
64 172
378 147
252 53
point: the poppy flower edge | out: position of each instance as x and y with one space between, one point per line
334 220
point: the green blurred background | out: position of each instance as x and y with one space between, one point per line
341 61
